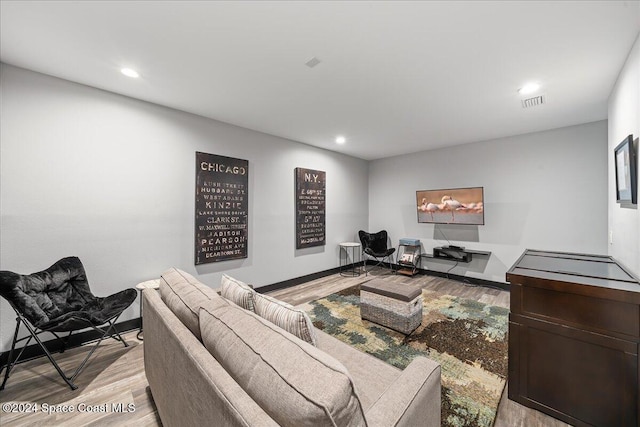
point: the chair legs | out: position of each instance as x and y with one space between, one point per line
380 262
13 347
106 333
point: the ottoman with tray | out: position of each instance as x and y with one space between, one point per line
394 305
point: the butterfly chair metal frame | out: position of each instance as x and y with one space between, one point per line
59 300
374 245
34 332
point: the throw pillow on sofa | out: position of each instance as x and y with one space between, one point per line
294 382
238 292
285 316
184 295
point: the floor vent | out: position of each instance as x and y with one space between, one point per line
534 101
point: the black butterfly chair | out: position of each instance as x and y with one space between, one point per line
375 246
58 300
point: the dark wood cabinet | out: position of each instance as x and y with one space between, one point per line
574 332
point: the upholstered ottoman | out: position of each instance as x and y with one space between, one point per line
394 305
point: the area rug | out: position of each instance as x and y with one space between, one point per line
468 339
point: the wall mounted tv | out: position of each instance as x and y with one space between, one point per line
451 206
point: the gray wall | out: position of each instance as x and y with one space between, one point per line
624 119
544 190
111 179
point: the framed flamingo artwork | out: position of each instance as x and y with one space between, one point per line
451 206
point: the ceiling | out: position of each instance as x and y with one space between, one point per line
393 78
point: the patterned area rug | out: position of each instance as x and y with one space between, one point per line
468 339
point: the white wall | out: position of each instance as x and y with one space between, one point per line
624 119
544 190
111 179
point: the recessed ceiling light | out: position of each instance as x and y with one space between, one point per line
130 73
529 88
340 139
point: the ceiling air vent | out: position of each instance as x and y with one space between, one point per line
312 62
534 101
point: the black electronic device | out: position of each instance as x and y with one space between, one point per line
457 248
452 254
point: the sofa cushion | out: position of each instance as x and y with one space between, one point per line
238 292
371 375
285 316
294 382
184 295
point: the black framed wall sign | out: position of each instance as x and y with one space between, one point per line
222 208
310 208
626 167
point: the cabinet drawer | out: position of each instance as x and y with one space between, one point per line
584 312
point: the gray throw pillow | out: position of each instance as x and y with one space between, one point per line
285 316
238 292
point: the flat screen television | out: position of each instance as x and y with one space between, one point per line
451 206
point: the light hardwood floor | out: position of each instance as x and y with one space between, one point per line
115 374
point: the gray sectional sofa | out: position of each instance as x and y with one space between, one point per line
210 362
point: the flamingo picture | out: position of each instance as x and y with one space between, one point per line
452 205
465 204
429 207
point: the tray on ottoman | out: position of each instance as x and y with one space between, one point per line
394 305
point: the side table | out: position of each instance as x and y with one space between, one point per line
344 247
149 284
408 256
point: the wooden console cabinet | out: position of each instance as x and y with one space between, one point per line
574 332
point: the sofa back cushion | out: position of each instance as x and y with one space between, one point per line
238 292
285 316
184 295
294 382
